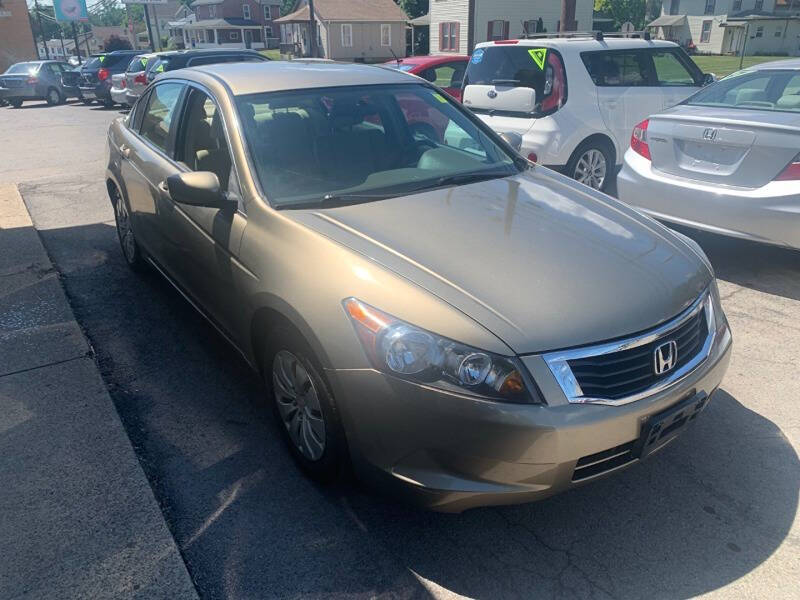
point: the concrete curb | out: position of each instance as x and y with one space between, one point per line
78 518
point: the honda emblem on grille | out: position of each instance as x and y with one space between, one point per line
665 357
710 134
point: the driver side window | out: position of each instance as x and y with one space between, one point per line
203 146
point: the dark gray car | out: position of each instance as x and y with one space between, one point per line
35 80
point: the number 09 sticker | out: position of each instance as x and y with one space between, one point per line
538 55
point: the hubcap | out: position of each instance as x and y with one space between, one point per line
298 405
124 230
591 169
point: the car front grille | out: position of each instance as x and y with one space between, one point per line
603 462
627 372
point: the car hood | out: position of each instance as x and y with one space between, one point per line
540 261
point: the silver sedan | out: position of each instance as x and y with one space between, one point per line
726 159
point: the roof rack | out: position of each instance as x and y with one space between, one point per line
597 35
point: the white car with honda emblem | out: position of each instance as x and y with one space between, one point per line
726 160
574 99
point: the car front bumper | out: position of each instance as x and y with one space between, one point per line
450 452
769 214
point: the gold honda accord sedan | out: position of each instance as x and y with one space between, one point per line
423 304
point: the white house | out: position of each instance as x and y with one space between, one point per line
727 26
457 25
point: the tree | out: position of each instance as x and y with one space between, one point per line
114 42
624 10
413 8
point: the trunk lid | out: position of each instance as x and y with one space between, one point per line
13 81
735 147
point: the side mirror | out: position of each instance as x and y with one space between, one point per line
709 78
198 188
512 139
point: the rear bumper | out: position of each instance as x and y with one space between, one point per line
769 214
101 91
25 92
119 95
131 97
449 452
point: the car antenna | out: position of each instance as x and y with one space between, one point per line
395 57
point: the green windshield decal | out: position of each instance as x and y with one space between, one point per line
538 55
143 61
160 68
439 97
102 59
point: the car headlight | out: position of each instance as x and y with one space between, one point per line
719 317
403 350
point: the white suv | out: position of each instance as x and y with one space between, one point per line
575 100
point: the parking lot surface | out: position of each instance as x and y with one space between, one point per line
713 513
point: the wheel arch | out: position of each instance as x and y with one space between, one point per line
598 137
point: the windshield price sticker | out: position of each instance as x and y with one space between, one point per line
477 56
439 97
538 55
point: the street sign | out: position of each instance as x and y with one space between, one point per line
70 10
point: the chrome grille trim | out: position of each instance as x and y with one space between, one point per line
558 361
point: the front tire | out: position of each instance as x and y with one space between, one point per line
127 239
15 102
592 164
304 406
54 97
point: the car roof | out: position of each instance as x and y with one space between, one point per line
273 76
429 60
584 43
790 63
207 51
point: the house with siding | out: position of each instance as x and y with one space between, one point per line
353 30
457 25
232 24
728 26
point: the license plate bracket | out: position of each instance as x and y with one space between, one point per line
661 428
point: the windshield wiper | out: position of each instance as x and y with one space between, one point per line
333 199
464 178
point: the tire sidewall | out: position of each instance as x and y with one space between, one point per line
608 153
329 466
137 261
58 97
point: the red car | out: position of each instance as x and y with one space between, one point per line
445 71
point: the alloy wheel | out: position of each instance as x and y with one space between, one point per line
591 168
126 238
298 404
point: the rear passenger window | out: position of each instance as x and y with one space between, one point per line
157 118
670 71
618 69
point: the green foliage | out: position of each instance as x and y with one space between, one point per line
114 42
287 6
413 8
624 10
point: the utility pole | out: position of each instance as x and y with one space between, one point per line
41 30
312 28
149 30
75 37
744 42
158 30
567 22
63 47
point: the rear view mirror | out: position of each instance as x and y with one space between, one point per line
500 96
200 188
512 139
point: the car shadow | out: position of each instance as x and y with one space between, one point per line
769 269
702 513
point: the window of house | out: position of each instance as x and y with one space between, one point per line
448 37
531 26
386 34
266 12
710 7
759 5
212 11
778 32
347 35
737 6
497 30
705 34
760 31
246 11
157 119
268 29
233 36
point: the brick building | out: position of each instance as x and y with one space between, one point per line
16 37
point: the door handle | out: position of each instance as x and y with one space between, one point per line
125 151
164 187
611 104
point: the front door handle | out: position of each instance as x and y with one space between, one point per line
125 151
164 187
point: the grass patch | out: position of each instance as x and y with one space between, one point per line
273 54
725 65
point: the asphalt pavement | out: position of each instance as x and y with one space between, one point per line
714 513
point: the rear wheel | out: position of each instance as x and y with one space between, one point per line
108 102
15 102
53 97
86 101
127 239
305 408
592 164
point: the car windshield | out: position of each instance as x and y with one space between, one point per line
766 89
356 144
24 67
